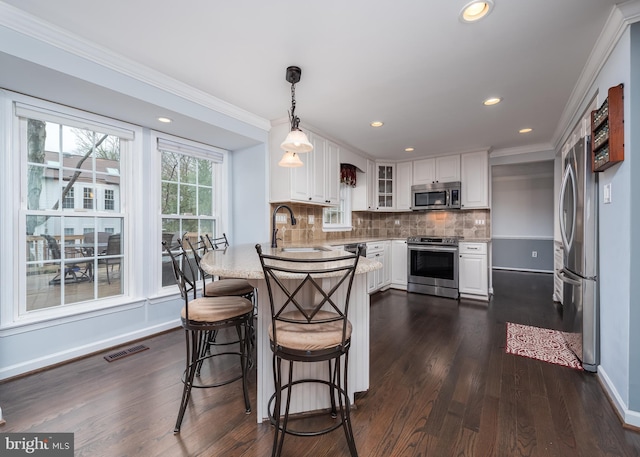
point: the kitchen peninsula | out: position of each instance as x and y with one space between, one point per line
242 262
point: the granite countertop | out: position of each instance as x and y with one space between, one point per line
353 240
242 261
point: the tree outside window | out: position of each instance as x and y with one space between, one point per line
187 201
63 263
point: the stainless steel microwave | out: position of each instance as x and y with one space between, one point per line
445 195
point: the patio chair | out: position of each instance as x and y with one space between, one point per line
69 272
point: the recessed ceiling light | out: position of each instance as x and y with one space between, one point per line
492 101
476 10
166 120
377 124
409 149
527 130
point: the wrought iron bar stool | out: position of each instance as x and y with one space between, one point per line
309 301
221 287
200 318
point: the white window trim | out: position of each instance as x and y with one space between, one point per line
222 216
13 208
347 226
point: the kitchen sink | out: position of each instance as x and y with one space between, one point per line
305 249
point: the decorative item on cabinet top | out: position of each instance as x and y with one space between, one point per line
607 131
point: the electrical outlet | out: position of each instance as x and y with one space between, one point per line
397 221
534 254
311 218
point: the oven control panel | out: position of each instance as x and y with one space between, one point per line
451 241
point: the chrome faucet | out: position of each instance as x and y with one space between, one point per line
274 240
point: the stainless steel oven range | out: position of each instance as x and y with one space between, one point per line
432 266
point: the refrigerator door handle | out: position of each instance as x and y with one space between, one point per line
568 174
569 277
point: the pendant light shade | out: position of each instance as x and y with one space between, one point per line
290 160
297 141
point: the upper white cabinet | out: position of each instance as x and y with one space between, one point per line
324 171
316 182
474 173
363 196
372 185
424 171
404 171
438 169
385 185
448 168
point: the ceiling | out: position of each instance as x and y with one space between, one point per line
411 64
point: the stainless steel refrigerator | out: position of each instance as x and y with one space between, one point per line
578 207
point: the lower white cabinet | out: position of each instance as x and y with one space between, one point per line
399 264
379 279
473 271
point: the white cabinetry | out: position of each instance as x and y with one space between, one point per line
372 185
364 194
399 264
379 279
473 272
404 172
386 180
323 171
316 182
474 171
438 169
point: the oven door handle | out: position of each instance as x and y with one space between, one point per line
415 247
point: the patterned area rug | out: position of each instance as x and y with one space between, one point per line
541 344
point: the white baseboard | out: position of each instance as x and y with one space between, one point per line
629 417
63 356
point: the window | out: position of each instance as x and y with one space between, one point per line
189 175
68 200
338 218
62 264
109 200
88 198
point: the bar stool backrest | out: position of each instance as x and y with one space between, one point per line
316 287
182 265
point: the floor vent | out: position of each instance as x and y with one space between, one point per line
125 352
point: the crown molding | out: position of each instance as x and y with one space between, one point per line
35 28
528 149
620 17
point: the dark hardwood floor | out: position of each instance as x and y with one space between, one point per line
441 385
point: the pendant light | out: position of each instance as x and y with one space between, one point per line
290 160
296 141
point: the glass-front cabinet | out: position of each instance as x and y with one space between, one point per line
385 185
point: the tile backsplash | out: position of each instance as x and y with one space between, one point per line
470 224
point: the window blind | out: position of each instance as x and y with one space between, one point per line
47 115
200 151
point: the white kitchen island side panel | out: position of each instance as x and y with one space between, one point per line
313 396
